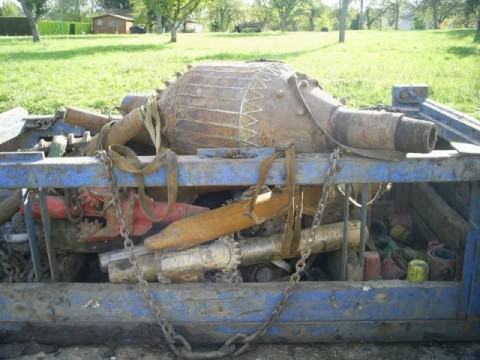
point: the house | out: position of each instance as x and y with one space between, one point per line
406 21
111 24
191 27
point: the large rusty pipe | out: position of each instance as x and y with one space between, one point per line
181 264
130 126
89 120
367 129
132 101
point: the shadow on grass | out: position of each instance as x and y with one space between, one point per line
257 55
82 51
456 34
241 35
463 51
92 36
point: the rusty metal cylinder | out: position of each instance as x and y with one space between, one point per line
132 101
229 104
178 265
383 131
87 119
121 131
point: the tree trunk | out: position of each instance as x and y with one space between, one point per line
367 17
35 31
159 25
360 16
343 21
477 34
173 34
311 22
33 22
222 21
283 21
436 24
397 15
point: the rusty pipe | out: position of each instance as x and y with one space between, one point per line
184 264
130 126
367 129
87 119
132 101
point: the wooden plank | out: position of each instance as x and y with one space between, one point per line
225 303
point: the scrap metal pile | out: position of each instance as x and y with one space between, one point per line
213 234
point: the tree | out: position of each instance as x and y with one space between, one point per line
473 7
441 10
223 12
395 7
73 10
312 9
34 10
284 9
9 8
116 4
262 12
144 12
177 12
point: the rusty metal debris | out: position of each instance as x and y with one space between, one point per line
220 254
218 105
229 234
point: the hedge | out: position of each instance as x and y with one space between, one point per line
20 26
14 26
48 27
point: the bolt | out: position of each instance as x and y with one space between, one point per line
304 83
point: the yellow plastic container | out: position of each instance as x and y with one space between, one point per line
417 271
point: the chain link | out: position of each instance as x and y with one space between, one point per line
238 343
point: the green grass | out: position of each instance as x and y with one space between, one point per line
96 71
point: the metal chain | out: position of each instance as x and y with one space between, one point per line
238 343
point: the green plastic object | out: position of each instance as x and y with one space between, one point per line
417 271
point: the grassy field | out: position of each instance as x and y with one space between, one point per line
96 71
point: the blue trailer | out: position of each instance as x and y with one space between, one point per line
323 311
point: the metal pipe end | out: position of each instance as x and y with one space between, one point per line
413 135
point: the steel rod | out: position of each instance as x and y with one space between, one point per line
47 229
363 222
346 214
32 237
